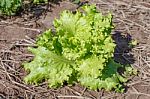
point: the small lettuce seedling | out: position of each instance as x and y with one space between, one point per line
10 7
40 1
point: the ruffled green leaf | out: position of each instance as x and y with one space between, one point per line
48 66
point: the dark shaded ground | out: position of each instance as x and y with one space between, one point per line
132 21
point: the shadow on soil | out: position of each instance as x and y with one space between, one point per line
37 10
123 49
122 53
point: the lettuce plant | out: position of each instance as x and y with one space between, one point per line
9 7
80 50
39 1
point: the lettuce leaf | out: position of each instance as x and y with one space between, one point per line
48 66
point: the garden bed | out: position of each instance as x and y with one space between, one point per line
17 33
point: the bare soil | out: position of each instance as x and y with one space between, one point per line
132 22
